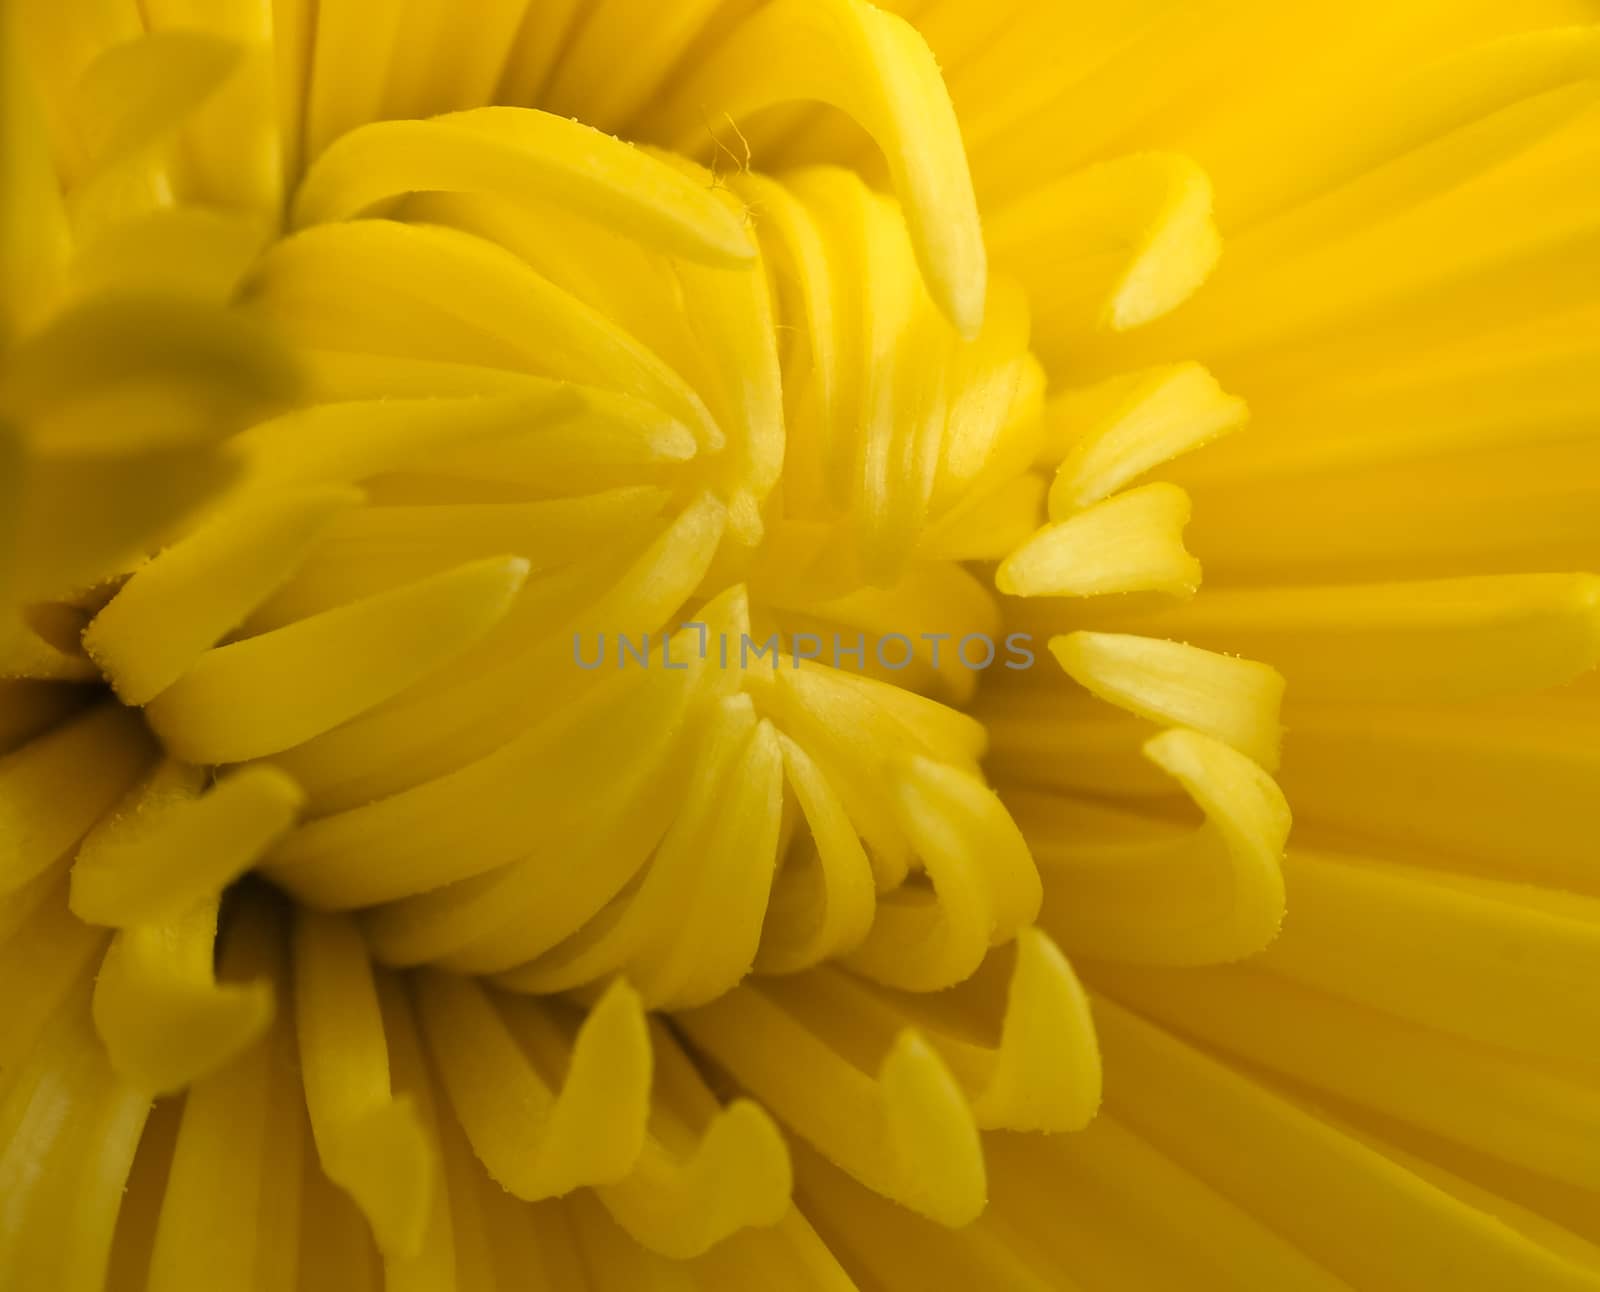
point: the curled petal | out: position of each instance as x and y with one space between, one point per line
1042 1074
822 900
165 1019
1132 542
371 1142
1045 1073
1235 700
983 883
876 68
906 1132
689 930
1165 896
706 1172
737 1176
1106 436
537 1141
170 847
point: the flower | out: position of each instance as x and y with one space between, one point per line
605 685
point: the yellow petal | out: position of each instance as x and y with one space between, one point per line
442 64
170 846
906 1133
1204 1112
193 594
1110 247
519 152
613 1261
447 1235
1501 510
1494 961
796 242
58 785
1536 1116
369 1141
45 952
1132 542
874 67
1045 1073
387 288
69 1126
137 92
187 251
266 693
1110 1206
1435 102
1108 435
788 1257
688 930
13 483
350 441
537 1141
507 917
47 646
822 899
233 153
989 527
89 519
352 54
706 1172
1428 640
981 882
144 371
1489 788
523 795
1169 896
620 54
30 708
164 1018
1235 700
35 241
536 48
889 1242
231 1203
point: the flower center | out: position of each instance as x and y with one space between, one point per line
601 593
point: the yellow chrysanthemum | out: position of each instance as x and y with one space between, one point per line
594 600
